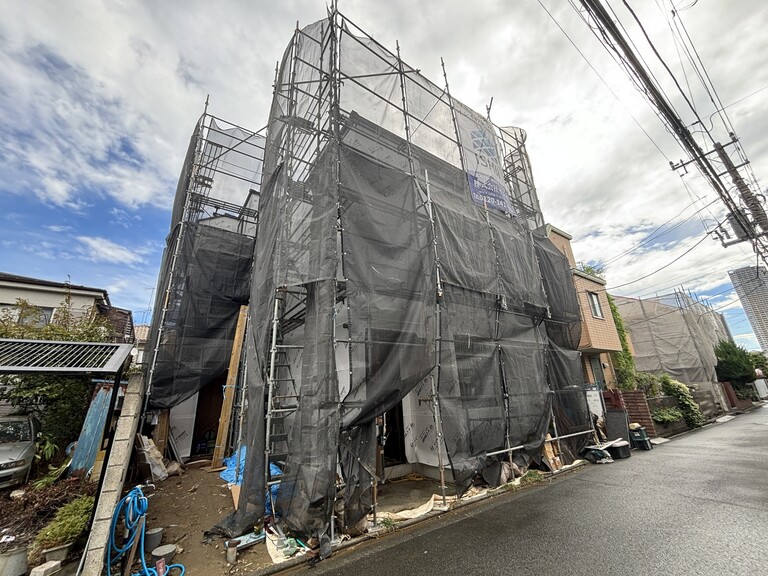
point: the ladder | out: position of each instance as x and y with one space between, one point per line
283 393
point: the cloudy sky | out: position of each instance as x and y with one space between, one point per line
98 100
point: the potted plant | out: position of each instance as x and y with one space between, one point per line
55 540
13 558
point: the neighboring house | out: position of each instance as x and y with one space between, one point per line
49 296
142 334
599 338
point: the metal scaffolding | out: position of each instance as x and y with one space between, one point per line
397 263
205 270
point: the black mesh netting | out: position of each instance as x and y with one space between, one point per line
487 354
564 323
206 267
387 258
211 282
564 374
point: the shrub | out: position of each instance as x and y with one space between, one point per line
687 405
666 415
69 522
734 364
649 384
743 392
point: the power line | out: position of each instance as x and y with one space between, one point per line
693 302
677 49
651 236
714 97
616 40
741 99
663 63
636 121
667 265
704 272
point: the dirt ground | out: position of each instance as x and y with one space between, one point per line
188 505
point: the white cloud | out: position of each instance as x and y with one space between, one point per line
98 99
104 250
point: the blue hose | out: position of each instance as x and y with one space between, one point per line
133 507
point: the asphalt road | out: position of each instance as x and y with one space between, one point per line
695 505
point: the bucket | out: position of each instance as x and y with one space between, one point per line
166 552
14 562
153 538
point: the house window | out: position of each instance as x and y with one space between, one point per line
9 313
594 304
37 316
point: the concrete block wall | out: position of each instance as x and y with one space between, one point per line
671 428
115 472
707 402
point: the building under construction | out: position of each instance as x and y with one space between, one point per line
676 334
405 307
204 279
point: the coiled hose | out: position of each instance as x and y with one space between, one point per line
133 507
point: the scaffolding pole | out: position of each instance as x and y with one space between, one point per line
174 260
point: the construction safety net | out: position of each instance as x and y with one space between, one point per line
674 334
205 273
391 269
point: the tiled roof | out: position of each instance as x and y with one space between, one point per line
5 277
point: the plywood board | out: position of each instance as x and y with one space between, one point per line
229 390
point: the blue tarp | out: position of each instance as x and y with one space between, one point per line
228 475
231 463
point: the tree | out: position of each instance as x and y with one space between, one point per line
60 401
734 364
759 361
625 364
592 268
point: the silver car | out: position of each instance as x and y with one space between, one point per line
17 448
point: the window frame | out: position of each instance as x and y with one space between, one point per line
593 298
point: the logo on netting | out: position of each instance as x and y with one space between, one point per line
482 143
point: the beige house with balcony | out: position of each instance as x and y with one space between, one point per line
599 338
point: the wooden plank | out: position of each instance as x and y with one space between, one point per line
134 547
160 433
550 454
204 463
229 391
